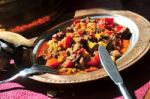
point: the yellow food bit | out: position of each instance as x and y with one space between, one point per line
83 25
88 30
61 58
103 33
85 53
91 44
102 43
113 58
69 71
98 35
76 39
68 34
91 25
53 46
76 27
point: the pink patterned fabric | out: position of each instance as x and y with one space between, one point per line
140 93
17 91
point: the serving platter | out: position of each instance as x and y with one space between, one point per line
139 44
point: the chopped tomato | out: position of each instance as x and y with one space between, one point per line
94 61
68 64
118 28
52 62
109 32
97 19
102 26
109 21
80 32
77 26
76 21
66 42
81 51
101 23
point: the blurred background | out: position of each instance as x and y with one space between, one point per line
28 16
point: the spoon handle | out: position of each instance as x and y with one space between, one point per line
32 70
10 79
124 91
24 72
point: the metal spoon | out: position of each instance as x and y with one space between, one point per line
32 70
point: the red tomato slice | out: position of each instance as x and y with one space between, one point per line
94 61
68 41
102 26
118 28
109 21
68 64
76 21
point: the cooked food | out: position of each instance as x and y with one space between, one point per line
74 49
